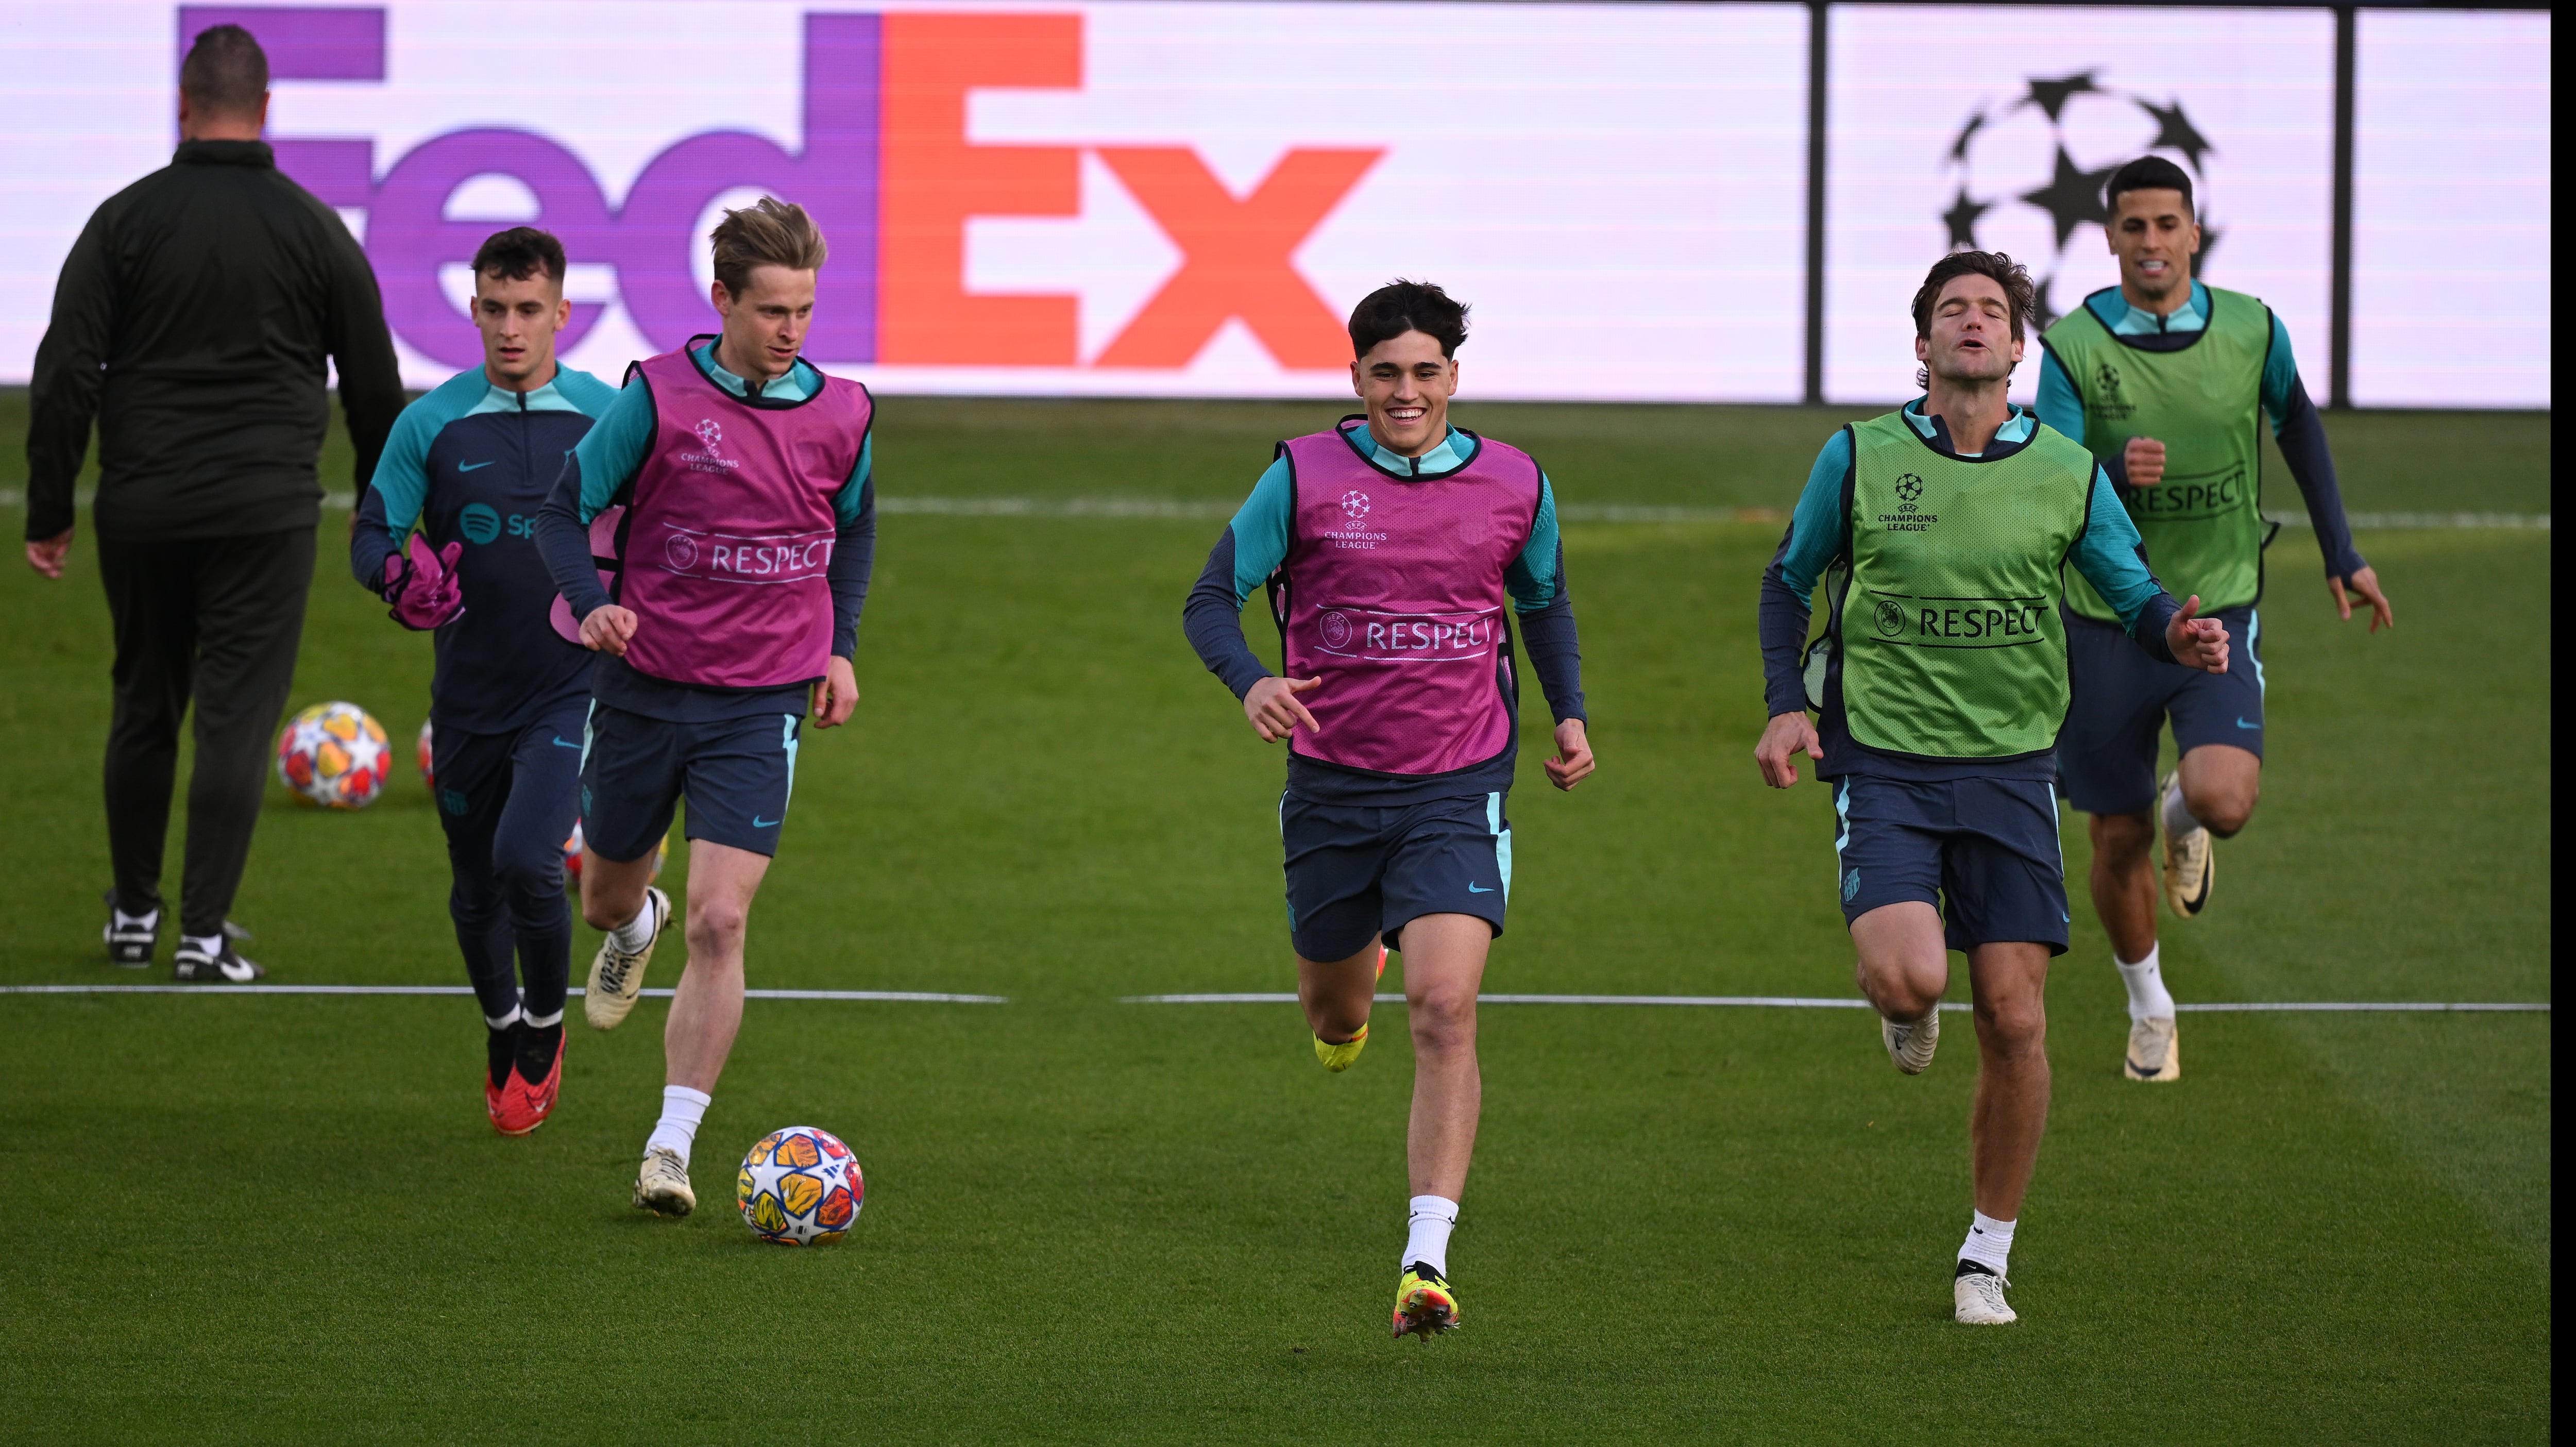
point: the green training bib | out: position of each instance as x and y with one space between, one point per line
1947 622
2203 523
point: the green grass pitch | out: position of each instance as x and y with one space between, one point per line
285 1219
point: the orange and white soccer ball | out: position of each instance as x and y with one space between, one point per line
800 1187
334 755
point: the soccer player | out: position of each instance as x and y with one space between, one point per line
748 531
1394 545
2163 378
1941 529
469 465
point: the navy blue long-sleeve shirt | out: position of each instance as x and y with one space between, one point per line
472 463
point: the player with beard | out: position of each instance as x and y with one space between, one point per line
469 465
1394 545
2166 380
1941 530
736 481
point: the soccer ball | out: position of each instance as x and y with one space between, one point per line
572 855
334 755
428 775
800 1187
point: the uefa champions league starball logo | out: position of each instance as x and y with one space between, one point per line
681 551
1355 505
709 434
1337 631
2027 173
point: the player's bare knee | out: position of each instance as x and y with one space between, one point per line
716 928
2224 812
1444 1019
2014 1025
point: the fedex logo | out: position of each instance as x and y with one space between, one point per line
886 167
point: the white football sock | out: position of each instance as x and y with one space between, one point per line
213 945
2148 997
2178 820
542 1022
506 1021
1434 1217
636 933
677 1130
150 922
1989 1242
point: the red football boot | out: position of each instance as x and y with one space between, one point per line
522 1105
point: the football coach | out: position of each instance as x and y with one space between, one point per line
191 323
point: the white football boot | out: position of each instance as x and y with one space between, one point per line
662 1184
1911 1044
1977 1299
2155 1049
2191 865
616 977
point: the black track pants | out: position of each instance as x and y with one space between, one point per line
216 619
507 801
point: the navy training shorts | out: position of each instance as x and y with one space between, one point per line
1355 872
736 774
2106 753
1982 851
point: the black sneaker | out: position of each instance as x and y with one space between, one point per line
193 965
130 944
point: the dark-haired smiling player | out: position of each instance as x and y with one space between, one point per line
2166 381
1943 529
469 465
1396 545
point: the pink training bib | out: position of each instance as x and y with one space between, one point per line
1395 598
728 538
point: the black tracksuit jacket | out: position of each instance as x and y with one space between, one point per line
191 323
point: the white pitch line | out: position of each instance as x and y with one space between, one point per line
899 996
1811 1002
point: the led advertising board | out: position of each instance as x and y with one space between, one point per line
1146 198
2450 234
1997 127
1127 198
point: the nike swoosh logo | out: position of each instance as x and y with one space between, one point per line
2242 724
472 466
562 745
759 823
1472 889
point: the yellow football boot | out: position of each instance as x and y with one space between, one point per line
1338 1058
1425 1303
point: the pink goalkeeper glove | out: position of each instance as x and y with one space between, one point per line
421 585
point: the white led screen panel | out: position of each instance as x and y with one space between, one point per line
2450 234
1132 198
1997 127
